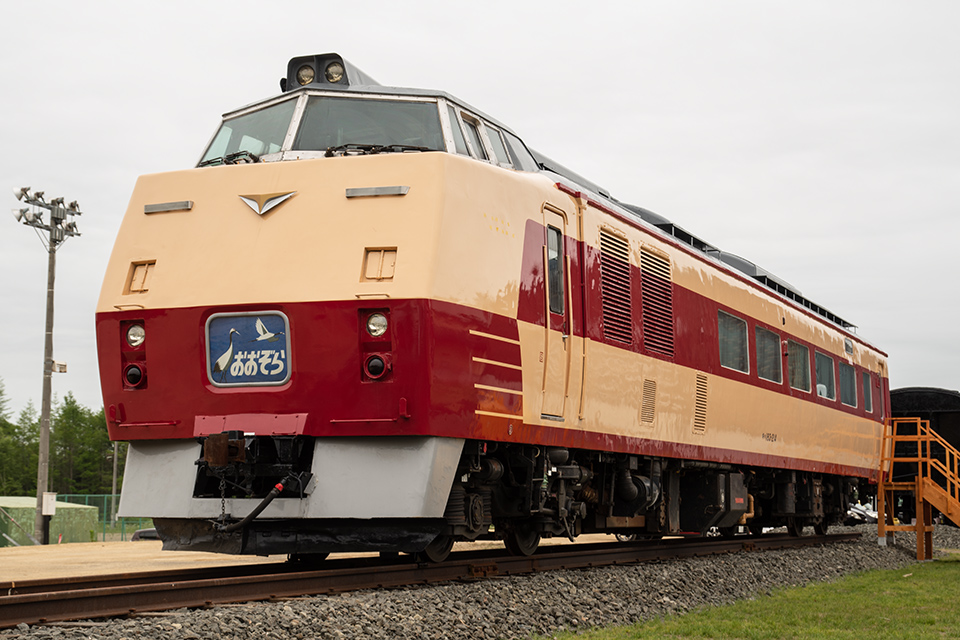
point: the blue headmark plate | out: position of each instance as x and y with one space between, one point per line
248 349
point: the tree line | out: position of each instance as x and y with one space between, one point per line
81 454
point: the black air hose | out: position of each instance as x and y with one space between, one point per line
236 526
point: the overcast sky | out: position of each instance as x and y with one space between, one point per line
819 139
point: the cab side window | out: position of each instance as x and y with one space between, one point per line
522 159
496 143
473 135
459 142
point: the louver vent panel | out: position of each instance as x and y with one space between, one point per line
648 404
700 408
657 301
615 288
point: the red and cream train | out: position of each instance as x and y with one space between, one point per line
372 319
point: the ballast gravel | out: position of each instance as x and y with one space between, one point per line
514 607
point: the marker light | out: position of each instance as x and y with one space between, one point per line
375 367
133 375
305 74
377 325
136 335
334 72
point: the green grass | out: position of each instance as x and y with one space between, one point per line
919 602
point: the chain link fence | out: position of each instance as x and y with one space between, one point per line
110 528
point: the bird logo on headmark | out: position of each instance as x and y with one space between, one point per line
223 362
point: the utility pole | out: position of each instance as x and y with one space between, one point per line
60 228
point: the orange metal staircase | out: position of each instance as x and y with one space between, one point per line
927 467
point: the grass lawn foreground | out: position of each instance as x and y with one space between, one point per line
917 602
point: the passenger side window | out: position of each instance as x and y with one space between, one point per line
848 385
798 366
733 343
826 386
769 360
867 393
458 140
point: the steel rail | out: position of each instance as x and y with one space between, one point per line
41 601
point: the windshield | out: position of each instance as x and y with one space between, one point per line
334 122
255 133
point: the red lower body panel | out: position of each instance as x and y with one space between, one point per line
451 370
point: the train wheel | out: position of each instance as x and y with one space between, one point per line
756 530
794 527
522 541
820 527
438 549
626 537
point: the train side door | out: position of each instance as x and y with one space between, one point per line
557 342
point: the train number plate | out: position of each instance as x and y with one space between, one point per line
248 349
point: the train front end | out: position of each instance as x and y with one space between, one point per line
266 332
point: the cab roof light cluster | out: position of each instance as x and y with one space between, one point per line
323 70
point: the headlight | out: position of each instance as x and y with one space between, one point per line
377 325
305 74
334 72
136 335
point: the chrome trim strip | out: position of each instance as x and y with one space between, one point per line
182 205
365 192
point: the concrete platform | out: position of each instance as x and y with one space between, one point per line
93 558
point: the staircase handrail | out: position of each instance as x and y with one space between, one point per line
948 467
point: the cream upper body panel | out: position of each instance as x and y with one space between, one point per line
312 246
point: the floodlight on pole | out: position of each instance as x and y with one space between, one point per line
60 228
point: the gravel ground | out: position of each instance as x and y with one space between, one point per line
515 607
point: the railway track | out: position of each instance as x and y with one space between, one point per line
53 600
